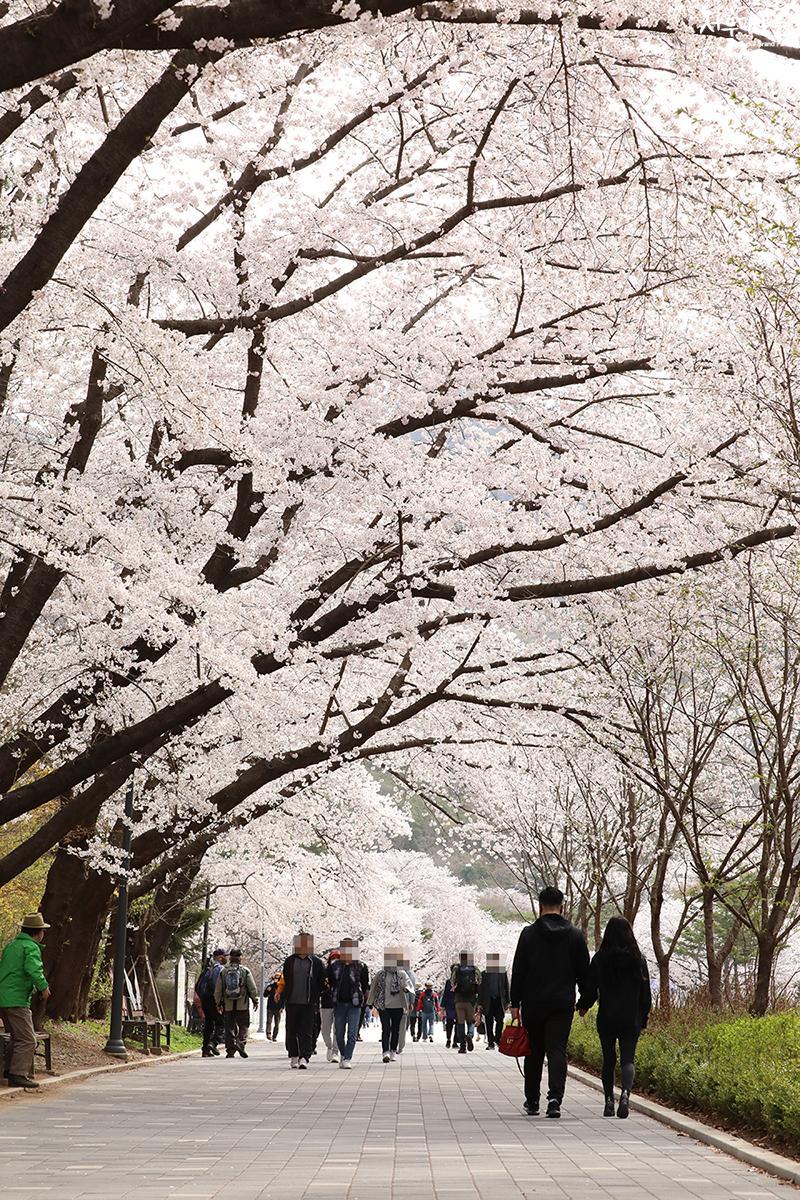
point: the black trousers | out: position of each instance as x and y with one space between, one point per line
300 1030
449 1026
211 1023
493 1019
390 1028
627 1039
547 1034
273 1023
237 1023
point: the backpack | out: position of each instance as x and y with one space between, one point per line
203 986
466 981
232 983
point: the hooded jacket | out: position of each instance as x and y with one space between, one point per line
621 980
551 959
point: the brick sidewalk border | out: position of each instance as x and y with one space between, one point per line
746 1152
7 1093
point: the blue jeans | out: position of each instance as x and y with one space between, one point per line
426 1025
347 1016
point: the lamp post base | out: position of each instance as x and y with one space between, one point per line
116 1047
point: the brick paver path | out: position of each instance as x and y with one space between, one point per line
433 1126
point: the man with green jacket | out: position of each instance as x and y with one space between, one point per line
22 974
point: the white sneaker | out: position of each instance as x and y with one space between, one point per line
335 1056
330 1055
392 1056
302 1064
294 1062
386 1058
345 1064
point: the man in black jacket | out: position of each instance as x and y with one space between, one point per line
494 998
551 959
303 979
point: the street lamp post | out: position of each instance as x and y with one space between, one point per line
263 978
115 1044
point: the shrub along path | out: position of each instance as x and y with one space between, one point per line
435 1125
742 1071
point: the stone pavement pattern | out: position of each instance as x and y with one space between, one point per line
433 1126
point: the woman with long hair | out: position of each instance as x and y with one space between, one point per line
618 976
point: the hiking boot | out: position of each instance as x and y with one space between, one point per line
622 1107
608 1111
532 1110
554 1108
21 1081
470 1044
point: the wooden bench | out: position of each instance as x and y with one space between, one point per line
148 1032
46 1052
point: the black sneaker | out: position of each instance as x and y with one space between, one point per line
554 1108
21 1081
531 1109
207 1052
470 1044
608 1111
243 1052
622 1107
230 1054
215 1051
447 1045
462 1049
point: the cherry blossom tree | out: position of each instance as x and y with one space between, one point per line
340 368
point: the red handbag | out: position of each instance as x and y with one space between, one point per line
514 1041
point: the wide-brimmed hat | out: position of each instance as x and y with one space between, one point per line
34 921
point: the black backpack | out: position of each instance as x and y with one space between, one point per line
466 981
203 986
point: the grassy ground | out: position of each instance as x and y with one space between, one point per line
80 1045
742 1071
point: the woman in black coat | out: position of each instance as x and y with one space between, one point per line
618 975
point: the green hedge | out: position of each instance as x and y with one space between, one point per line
742 1069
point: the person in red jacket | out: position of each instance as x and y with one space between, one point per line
428 1010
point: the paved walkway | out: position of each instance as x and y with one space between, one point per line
434 1126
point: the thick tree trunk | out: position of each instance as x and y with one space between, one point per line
767 945
714 961
76 902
